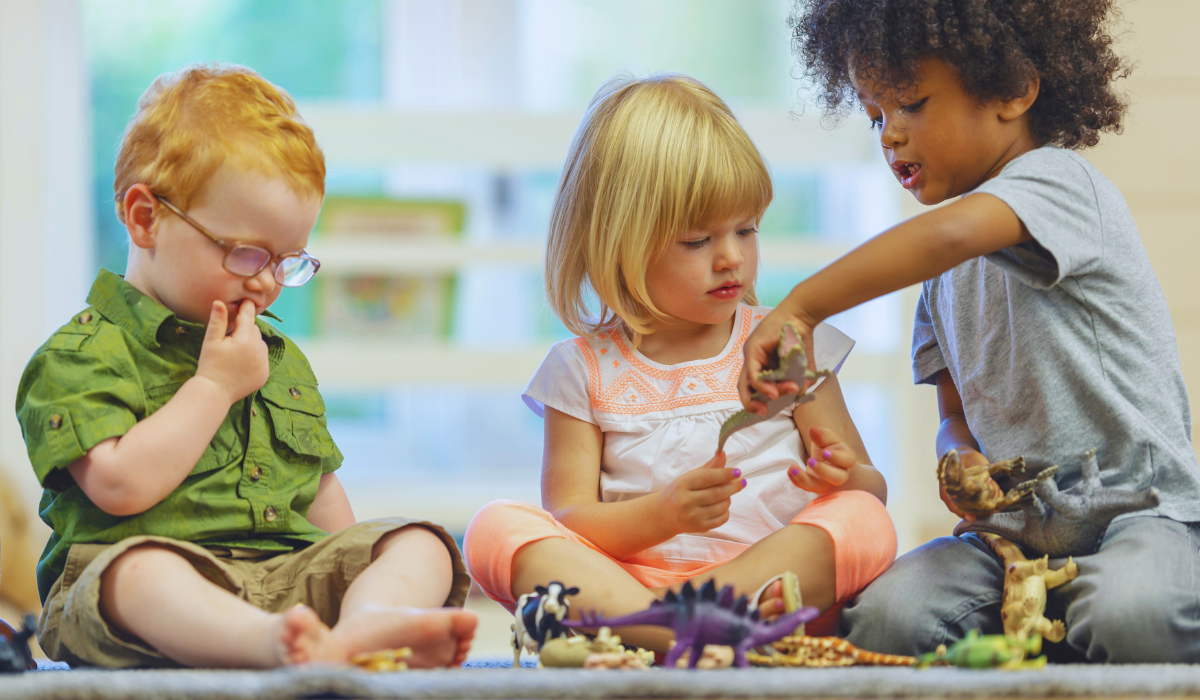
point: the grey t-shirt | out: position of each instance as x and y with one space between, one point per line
1065 343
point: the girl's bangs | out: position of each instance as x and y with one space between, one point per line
730 179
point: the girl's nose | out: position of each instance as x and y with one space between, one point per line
729 254
892 134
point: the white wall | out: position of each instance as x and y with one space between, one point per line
45 200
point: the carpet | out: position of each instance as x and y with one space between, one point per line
1058 681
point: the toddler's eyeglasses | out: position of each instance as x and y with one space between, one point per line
291 269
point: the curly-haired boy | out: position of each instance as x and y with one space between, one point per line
1041 321
188 472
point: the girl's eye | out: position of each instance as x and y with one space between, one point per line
747 232
693 245
914 107
876 123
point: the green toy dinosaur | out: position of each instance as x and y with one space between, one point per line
789 364
987 651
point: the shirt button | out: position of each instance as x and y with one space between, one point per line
269 514
180 330
294 392
85 318
55 421
255 475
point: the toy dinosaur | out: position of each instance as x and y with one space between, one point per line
789 363
1025 584
988 651
707 617
976 490
1063 523
539 616
799 650
15 656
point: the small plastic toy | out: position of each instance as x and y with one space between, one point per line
539 616
976 490
1025 584
706 618
384 661
988 651
789 364
15 656
604 651
823 652
1063 523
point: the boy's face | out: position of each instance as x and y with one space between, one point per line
704 273
940 141
184 270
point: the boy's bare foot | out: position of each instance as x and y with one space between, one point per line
438 638
304 639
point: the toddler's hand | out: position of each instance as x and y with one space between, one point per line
236 362
698 501
970 458
757 350
830 463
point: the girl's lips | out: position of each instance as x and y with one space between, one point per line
909 173
727 292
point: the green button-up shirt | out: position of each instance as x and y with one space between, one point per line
122 359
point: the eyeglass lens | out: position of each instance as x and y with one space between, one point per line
247 261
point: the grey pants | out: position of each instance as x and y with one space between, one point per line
1136 600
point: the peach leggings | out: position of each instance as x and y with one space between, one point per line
864 542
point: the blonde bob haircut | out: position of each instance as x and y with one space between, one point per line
653 158
191 122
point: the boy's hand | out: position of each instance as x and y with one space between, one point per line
830 463
698 501
237 362
757 350
970 458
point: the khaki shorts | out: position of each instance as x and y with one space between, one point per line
72 629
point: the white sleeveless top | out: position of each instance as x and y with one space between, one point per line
660 421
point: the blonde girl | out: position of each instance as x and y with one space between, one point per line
654 227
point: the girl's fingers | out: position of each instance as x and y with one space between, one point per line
829 473
720 493
827 445
713 523
714 510
806 481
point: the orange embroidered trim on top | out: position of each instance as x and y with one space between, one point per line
633 392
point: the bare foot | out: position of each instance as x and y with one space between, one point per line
438 638
304 639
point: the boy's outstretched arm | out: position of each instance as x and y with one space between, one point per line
131 474
911 252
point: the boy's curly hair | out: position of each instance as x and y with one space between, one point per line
996 46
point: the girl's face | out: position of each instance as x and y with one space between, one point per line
939 140
705 272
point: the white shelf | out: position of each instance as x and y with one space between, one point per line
381 137
379 363
378 255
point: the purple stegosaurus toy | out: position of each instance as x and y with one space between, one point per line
705 618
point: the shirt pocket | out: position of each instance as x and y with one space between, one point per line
296 411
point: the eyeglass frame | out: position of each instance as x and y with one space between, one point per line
230 246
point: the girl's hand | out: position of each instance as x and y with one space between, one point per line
698 501
757 350
829 466
236 363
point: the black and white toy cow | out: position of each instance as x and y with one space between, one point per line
539 617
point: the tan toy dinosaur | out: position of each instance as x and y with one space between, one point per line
1025 584
975 490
